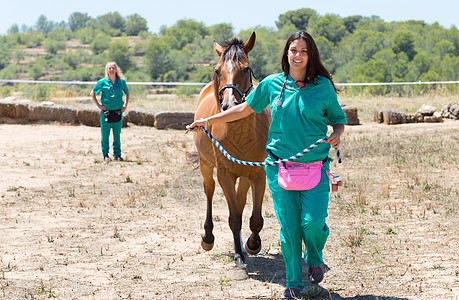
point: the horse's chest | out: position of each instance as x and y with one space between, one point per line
240 136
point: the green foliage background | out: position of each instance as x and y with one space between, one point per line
354 49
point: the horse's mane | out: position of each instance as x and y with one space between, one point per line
234 50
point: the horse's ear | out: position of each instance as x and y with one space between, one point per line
219 49
248 46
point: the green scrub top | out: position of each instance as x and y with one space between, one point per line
112 93
302 117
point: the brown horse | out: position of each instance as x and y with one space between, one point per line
244 139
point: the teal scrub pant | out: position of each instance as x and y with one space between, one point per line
301 216
105 128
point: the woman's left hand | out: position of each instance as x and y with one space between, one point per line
123 108
334 140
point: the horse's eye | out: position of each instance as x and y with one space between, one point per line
247 70
217 72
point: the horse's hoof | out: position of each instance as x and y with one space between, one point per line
206 246
251 251
239 274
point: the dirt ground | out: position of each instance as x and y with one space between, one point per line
74 227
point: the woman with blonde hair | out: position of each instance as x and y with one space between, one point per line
112 107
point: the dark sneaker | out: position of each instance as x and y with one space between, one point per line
106 158
292 293
118 158
316 274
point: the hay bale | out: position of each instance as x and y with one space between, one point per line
14 109
435 118
141 117
173 120
414 118
88 116
48 111
351 115
378 116
392 117
91 117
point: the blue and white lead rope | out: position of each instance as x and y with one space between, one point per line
261 164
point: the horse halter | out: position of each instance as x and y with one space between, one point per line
232 86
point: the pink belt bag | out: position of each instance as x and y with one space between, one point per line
299 176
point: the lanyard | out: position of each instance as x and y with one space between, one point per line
278 102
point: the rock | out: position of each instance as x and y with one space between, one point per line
426 110
450 111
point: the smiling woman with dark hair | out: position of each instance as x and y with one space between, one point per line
303 101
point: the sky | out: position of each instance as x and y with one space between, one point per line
241 14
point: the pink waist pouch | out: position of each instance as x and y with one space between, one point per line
299 176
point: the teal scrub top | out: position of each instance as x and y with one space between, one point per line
112 93
302 117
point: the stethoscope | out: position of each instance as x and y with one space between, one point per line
111 89
278 102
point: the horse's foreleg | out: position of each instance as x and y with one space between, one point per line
227 182
208 238
253 245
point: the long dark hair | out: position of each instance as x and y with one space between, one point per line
315 66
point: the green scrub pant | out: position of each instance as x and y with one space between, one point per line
301 216
105 128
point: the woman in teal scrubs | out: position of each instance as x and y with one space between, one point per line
302 101
112 88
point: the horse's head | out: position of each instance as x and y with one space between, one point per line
232 77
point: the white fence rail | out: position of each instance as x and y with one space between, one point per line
202 84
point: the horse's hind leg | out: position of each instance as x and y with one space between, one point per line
253 245
208 238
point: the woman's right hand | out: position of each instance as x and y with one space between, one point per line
196 125
102 107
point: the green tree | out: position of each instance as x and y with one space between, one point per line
120 52
100 43
38 68
72 59
52 46
420 64
301 19
156 57
326 50
135 24
372 44
13 29
185 31
44 25
4 57
403 41
351 23
78 20
221 32
331 27
443 48
399 69
112 24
